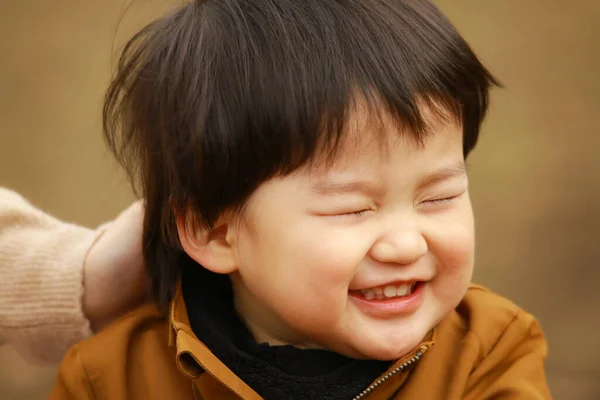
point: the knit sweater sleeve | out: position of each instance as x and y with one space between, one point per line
41 272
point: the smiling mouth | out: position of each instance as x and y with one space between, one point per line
387 291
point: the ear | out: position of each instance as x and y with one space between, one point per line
213 249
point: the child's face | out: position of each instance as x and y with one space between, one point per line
381 217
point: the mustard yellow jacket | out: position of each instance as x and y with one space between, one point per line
487 348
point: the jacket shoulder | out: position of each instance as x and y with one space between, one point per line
143 323
106 364
488 316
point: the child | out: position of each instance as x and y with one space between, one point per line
308 224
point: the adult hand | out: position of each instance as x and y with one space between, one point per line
114 276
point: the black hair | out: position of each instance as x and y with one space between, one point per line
215 98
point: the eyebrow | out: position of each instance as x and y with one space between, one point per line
456 170
331 188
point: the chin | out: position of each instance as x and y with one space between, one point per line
394 346
392 354
387 351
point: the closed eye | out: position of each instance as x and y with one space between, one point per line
359 214
440 202
354 214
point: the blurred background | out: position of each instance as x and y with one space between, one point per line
535 177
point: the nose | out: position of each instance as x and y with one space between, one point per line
400 246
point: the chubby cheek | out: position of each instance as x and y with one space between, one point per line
454 254
302 272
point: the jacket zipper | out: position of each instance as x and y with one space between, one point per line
393 372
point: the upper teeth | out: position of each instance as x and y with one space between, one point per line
387 291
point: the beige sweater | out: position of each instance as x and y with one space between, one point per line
41 270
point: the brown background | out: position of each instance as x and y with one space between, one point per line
535 178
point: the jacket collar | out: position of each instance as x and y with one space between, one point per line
193 357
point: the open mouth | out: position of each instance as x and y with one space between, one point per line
386 292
